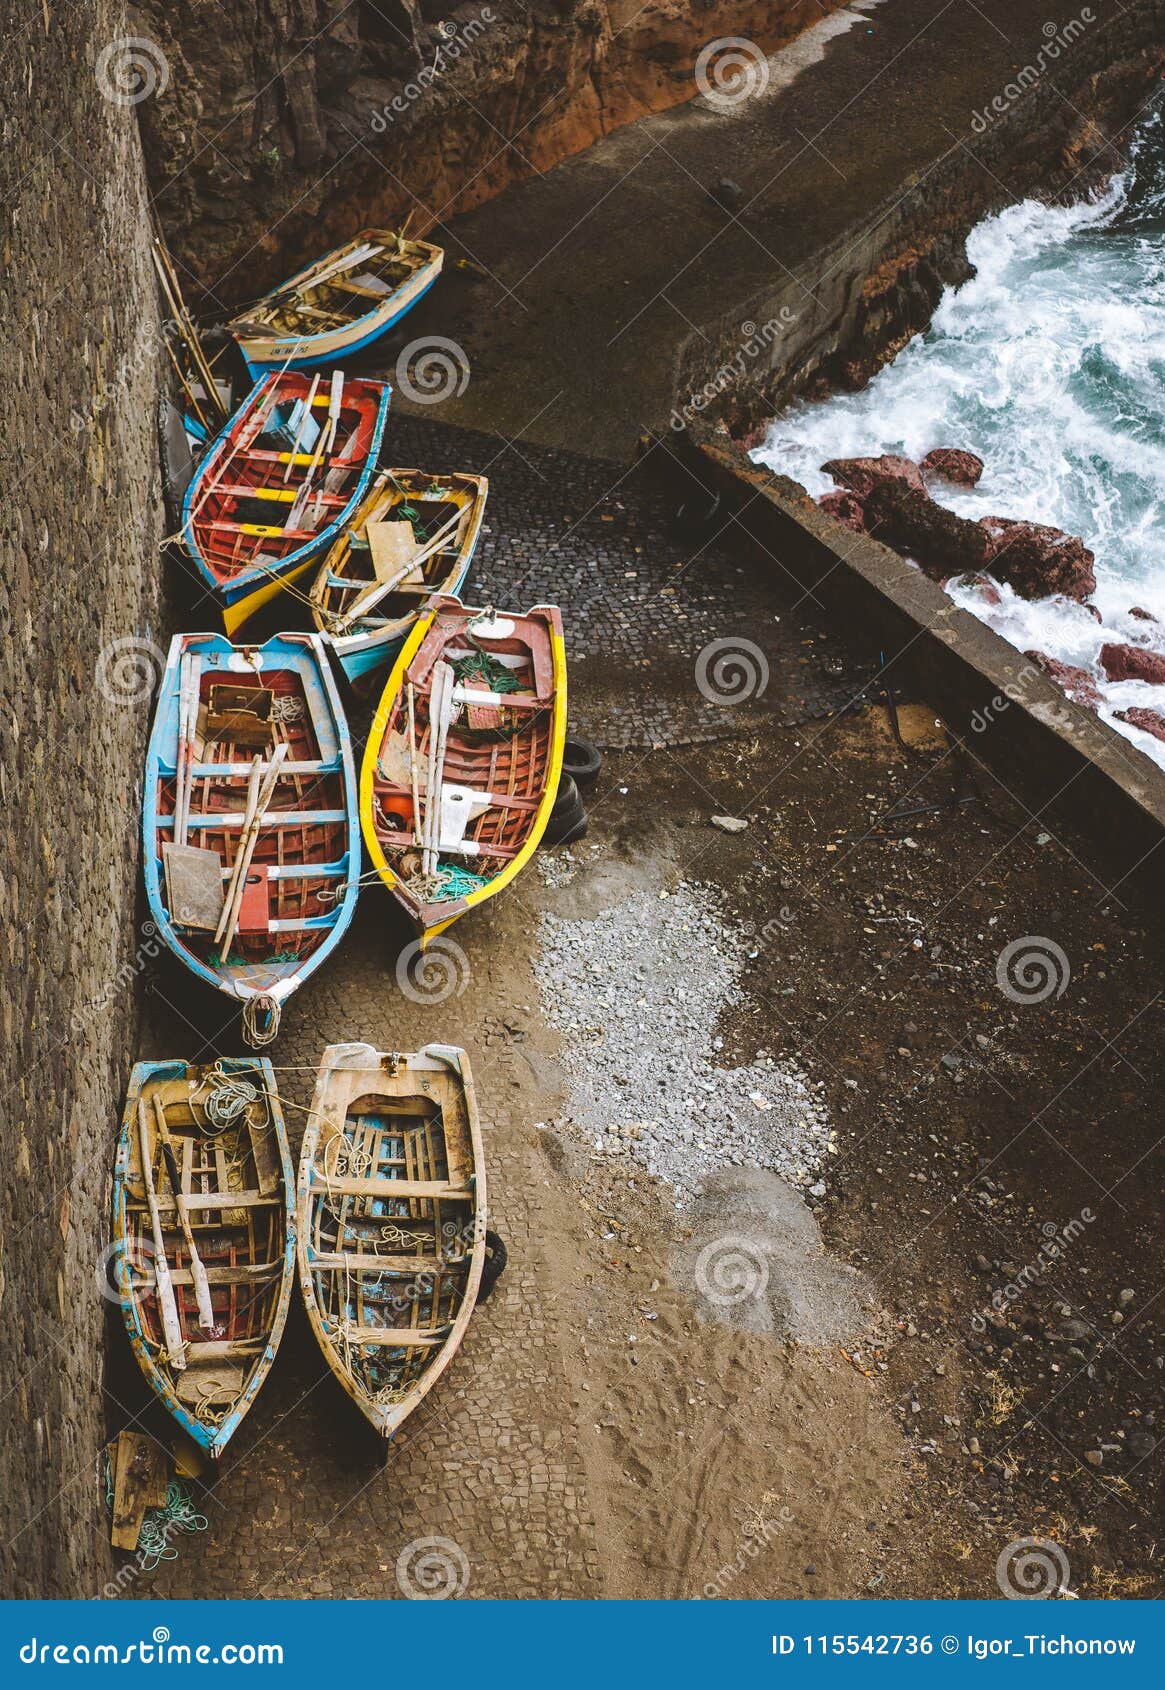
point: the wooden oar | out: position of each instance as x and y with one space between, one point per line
371 596
187 733
259 795
171 1325
411 696
440 716
315 382
197 1270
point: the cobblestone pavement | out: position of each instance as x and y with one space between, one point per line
642 595
304 1504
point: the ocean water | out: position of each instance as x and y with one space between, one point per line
1050 364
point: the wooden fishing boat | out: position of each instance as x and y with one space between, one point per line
392 1220
204 1236
279 483
338 304
412 537
252 849
463 758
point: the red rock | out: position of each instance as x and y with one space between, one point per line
1076 682
1141 614
1037 561
940 542
981 585
1093 611
862 475
1147 720
952 464
845 507
1132 663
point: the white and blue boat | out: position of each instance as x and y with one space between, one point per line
339 304
204 1237
250 822
411 539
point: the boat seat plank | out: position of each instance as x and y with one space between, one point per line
399 1337
344 1186
366 1263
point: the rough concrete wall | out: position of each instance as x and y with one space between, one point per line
79 529
291 123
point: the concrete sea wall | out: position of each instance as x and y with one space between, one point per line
79 574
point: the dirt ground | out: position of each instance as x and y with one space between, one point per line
596 1436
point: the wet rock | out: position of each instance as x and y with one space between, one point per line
1037 561
1149 721
1076 682
862 475
940 542
952 464
1141 614
845 507
1132 663
982 586
726 193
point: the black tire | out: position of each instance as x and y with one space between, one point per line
493 1267
568 819
581 760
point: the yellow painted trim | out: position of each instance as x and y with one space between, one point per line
550 793
376 732
234 615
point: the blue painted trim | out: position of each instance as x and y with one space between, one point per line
243 585
349 349
303 652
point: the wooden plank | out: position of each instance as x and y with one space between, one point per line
140 1477
342 1186
194 889
400 1337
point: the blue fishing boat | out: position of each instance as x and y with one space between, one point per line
411 539
339 304
251 833
204 1237
279 483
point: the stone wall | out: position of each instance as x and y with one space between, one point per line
79 568
283 126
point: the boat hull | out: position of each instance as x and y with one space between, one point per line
435 918
254 576
390 1258
250 1267
335 347
307 845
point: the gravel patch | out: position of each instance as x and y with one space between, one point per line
638 993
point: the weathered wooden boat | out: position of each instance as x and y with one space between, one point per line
413 537
204 1236
252 849
463 759
338 304
278 484
392 1220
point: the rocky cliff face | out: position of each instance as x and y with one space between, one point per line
284 125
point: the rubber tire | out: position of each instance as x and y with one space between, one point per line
493 1267
581 760
568 819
